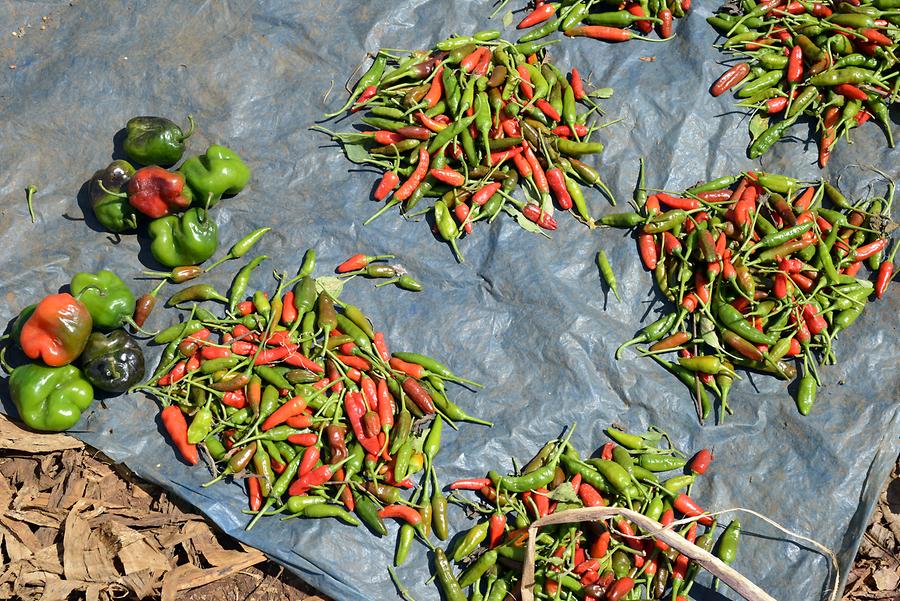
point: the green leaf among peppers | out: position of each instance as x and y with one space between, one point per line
108 299
187 240
113 211
50 399
219 171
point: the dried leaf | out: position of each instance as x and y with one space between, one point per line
508 19
330 284
758 124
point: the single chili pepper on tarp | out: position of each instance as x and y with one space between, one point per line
607 273
155 140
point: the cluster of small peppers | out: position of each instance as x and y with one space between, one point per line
297 395
608 560
759 273
75 342
122 196
467 122
607 21
833 61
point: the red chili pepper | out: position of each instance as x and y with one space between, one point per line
173 421
381 346
795 65
404 512
814 321
235 398
670 244
254 493
538 15
689 302
471 484
668 517
316 477
804 283
309 460
294 406
297 359
243 348
590 496
449 176
686 204
850 91
462 212
600 546
872 248
602 32
557 181
730 78
644 27
619 589
533 212
686 506
876 37
413 370
852 269
418 395
366 96
700 462
647 250
496 529
299 422
307 439
525 85
355 362
410 185
388 182
777 104
665 27
522 165
606 451
484 194
548 110
540 179
577 84
214 352
565 131
273 355
652 205
437 88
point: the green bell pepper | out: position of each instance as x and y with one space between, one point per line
187 240
110 208
50 399
219 171
108 299
112 362
155 140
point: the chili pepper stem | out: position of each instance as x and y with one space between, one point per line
29 195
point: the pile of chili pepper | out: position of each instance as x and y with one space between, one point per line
607 560
173 203
833 61
296 395
760 274
73 342
465 124
607 21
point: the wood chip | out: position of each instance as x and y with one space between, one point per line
15 438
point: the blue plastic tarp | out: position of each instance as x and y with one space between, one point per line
525 315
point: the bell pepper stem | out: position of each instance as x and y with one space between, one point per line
111 193
190 130
29 195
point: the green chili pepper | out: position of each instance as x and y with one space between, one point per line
606 271
439 515
728 542
468 543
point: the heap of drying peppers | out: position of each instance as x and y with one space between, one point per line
73 342
173 203
833 61
297 396
468 122
607 21
605 560
760 275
